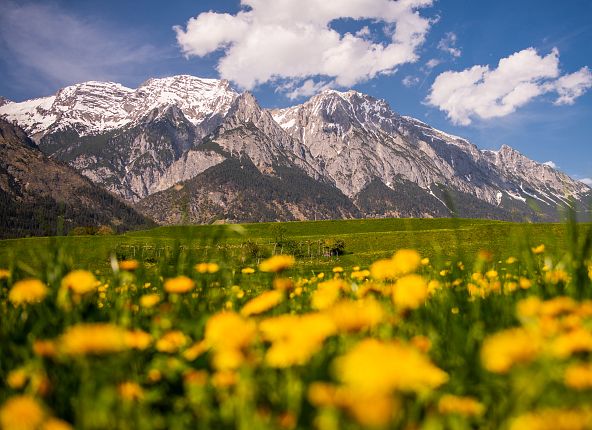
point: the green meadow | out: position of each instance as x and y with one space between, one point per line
363 242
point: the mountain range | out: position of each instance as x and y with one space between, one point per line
186 149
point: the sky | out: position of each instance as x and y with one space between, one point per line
495 72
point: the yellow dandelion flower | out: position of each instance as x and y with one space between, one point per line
44 348
350 315
368 409
171 341
149 300
96 338
377 367
337 269
326 293
4 274
129 265
575 341
228 334
578 376
194 351
433 286
406 261
277 263
525 283
553 419
247 270
130 391
179 285
558 306
322 394
538 249
295 338
360 275
557 276
491 274
224 379
21 413
502 350
262 303
410 292
383 269
80 282
511 260
27 291
229 330
56 424
283 284
17 378
138 339
465 406
207 267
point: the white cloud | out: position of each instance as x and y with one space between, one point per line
551 164
410 81
307 89
570 87
363 32
587 181
432 63
448 44
49 47
271 40
482 92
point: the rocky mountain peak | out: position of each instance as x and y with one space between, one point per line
93 107
135 142
339 113
4 101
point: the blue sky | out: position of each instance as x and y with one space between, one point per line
536 100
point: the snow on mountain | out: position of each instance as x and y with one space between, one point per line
136 142
92 108
357 138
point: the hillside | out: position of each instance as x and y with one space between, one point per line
40 196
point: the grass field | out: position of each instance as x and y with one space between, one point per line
399 324
365 241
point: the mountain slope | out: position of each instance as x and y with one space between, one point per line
37 194
170 131
359 140
237 191
122 139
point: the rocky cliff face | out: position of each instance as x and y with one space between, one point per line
138 142
358 139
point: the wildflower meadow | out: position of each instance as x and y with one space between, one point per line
409 341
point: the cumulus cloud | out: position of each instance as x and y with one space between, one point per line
551 164
570 87
273 40
482 92
448 44
48 47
